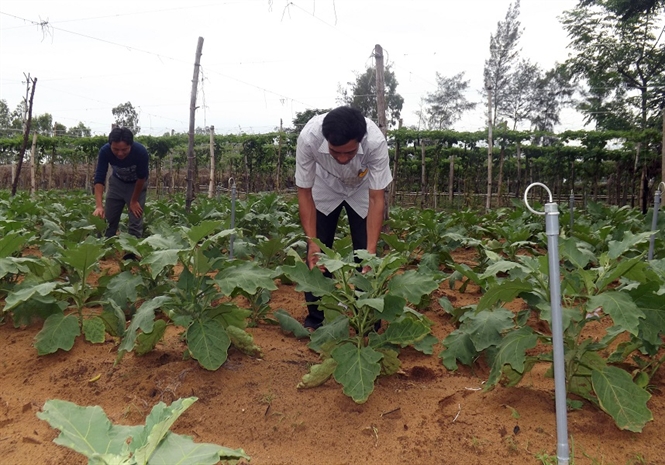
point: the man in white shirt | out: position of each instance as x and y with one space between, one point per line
341 162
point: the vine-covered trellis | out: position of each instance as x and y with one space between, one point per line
432 168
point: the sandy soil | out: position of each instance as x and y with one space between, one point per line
425 415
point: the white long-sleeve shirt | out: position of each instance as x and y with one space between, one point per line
331 182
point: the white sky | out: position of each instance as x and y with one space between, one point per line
262 60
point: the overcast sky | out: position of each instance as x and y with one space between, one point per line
262 60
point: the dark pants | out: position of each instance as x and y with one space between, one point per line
119 194
326 226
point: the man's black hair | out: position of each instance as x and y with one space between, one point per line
344 124
121 135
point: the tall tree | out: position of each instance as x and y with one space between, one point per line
518 104
499 68
623 58
302 117
126 116
43 124
627 9
447 103
361 94
551 92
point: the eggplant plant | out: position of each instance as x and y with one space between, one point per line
617 286
199 299
88 431
354 303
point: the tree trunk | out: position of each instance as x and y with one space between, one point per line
278 181
26 132
451 176
490 143
499 185
423 189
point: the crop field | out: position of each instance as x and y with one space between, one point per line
195 349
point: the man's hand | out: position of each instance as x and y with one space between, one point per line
312 255
99 211
135 208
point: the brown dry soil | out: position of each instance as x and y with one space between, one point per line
424 415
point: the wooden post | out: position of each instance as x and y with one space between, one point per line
192 113
393 185
490 143
422 173
33 158
451 177
211 185
278 181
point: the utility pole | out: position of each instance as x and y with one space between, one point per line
662 146
192 112
490 143
31 83
211 185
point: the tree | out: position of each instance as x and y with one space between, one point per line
447 103
302 117
126 116
59 129
551 92
499 69
43 124
627 9
80 130
5 120
361 94
623 59
518 104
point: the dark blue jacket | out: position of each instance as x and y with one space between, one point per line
133 167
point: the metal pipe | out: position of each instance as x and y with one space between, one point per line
571 208
654 220
552 232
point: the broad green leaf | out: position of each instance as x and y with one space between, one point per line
143 319
390 363
245 275
512 351
290 324
485 328
412 285
59 332
406 332
84 257
94 330
123 288
504 292
157 426
201 230
173 241
229 314
309 280
393 307
617 249
426 344
114 319
335 331
36 308
11 243
25 294
375 303
187 452
502 266
357 368
621 398
318 374
569 248
87 430
458 346
653 325
621 307
620 269
159 260
243 341
208 343
146 342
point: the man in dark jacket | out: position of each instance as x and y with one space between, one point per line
127 184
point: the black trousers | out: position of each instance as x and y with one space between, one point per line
326 226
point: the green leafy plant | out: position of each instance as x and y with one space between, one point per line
617 285
353 302
88 431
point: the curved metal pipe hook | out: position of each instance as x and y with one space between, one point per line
526 192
